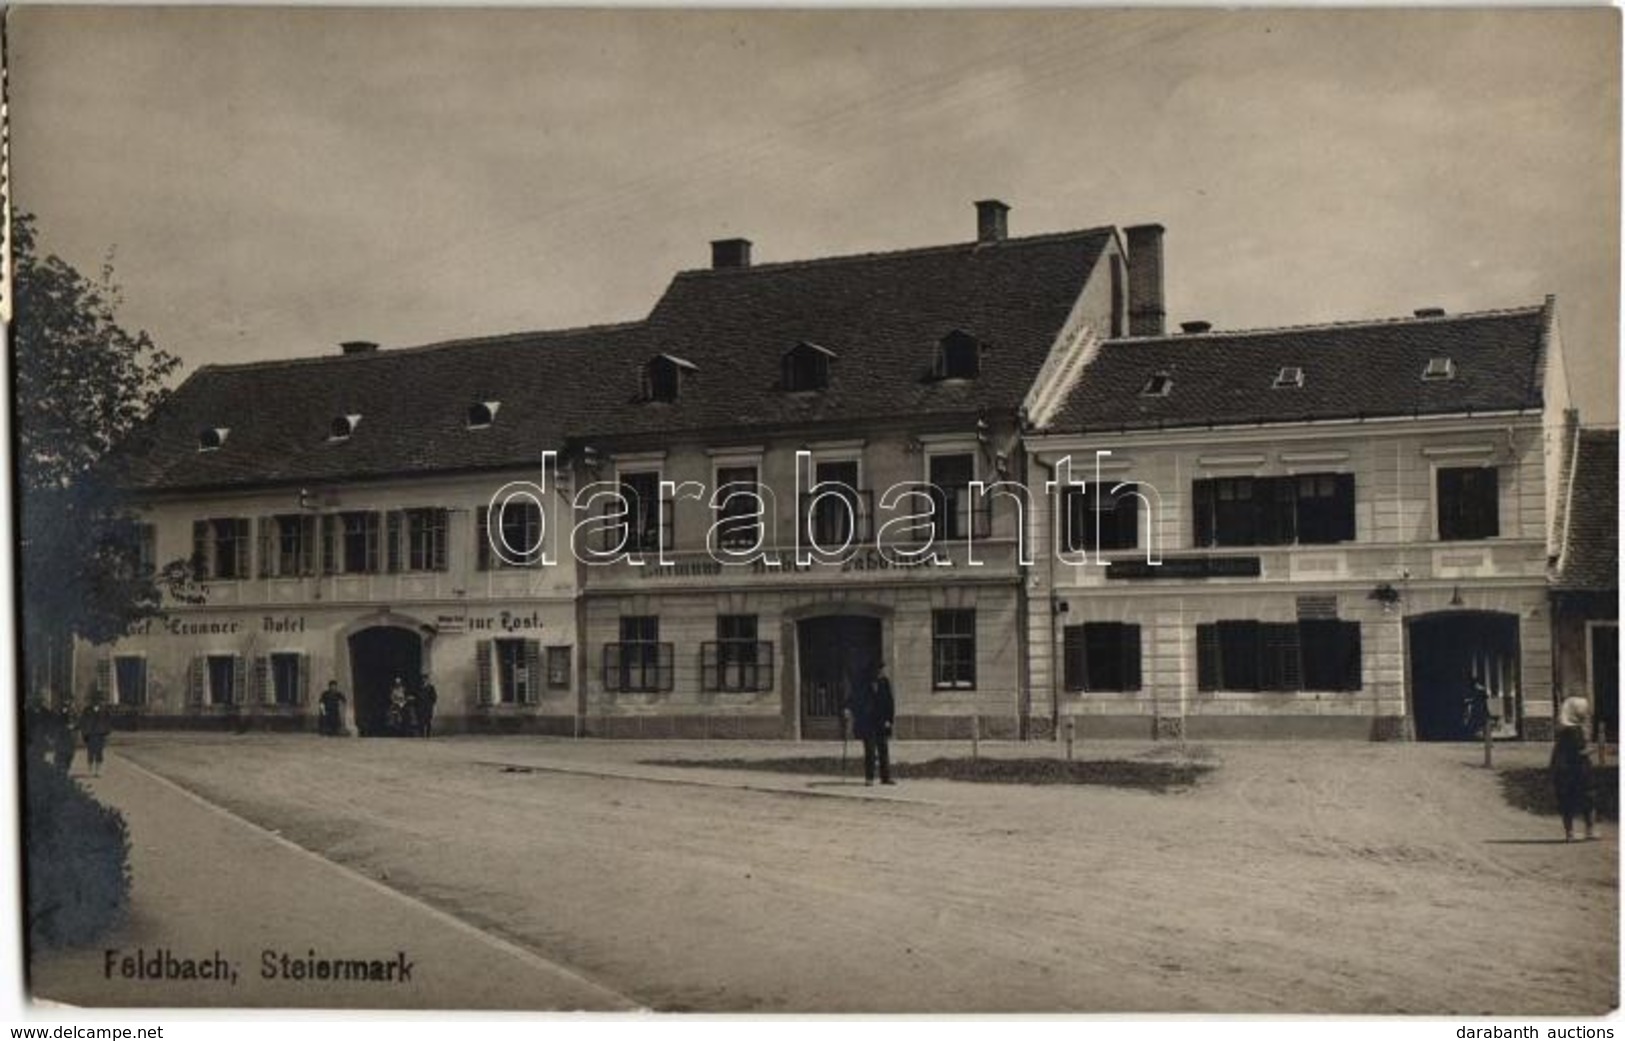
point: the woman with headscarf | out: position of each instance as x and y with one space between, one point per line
1571 765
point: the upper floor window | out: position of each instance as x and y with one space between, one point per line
959 357
806 367
840 510
953 512
663 377
1308 509
738 520
288 544
519 537
1112 511
146 549
350 543
1469 502
220 548
646 525
417 539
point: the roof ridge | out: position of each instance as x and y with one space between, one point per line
850 258
495 339
1353 323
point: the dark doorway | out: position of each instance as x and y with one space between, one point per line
1448 652
1605 682
837 652
377 656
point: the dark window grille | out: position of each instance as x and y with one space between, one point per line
953 649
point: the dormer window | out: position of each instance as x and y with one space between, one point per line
1441 368
482 413
1290 376
959 357
1157 386
806 367
663 377
343 427
209 439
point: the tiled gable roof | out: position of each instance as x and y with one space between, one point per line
1350 370
881 316
413 406
1590 558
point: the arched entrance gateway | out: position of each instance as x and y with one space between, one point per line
835 653
378 654
1448 651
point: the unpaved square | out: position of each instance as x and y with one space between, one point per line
1305 877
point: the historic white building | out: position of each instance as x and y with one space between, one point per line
1328 529
1313 530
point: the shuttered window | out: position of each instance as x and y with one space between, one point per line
1101 656
130 679
1310 654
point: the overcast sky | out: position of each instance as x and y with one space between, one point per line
275 181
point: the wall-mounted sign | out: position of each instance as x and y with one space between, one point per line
1187 567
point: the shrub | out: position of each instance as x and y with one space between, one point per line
78 860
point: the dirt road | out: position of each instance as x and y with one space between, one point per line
1346 878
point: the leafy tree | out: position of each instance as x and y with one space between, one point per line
82 385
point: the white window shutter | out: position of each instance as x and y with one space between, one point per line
533 671
194 681
482 670
264 689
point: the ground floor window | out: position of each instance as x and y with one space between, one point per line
736 660
289 678
518 671
558 668
1101 656
639 663
130 679
1312 654
953 649
222 678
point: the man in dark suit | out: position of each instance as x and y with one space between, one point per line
873 711
427 697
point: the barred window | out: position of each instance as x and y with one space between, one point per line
736 660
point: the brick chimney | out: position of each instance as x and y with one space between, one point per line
1146 314
991 221
730 253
